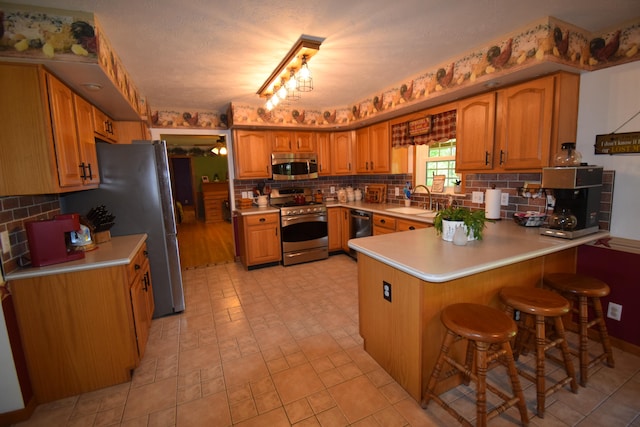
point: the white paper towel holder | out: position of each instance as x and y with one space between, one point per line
492 203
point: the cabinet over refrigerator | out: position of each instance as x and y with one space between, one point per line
136 188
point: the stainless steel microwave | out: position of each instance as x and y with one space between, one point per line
294 166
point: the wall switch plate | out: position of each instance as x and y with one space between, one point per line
397 191
504 199
6 244
614 311
477 197
332 189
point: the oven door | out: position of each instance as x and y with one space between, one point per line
304 232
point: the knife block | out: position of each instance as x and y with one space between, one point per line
102 236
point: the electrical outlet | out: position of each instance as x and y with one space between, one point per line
397 191
245 195
332 189
504 199
477 197
6 244
386 290
614 311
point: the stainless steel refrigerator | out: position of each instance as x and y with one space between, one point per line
135 186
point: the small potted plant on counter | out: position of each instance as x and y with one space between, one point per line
457 186
447 220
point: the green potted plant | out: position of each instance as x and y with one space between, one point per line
447 220
457 186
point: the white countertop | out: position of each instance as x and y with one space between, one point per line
118 251
423 254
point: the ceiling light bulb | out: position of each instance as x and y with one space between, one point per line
291 83
223 151
275 100
269 105
215 150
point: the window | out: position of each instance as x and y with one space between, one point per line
436 159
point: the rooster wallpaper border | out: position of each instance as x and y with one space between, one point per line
547 40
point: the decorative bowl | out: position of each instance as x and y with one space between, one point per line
529 219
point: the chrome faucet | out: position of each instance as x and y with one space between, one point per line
428 192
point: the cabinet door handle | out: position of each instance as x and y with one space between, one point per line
146 253
366 166
276 231
371 165
349 165
136 267
90 173
83 174
486 158
502 156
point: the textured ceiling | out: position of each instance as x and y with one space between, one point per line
203 54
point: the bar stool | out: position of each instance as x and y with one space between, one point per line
540 304
584 291
482 327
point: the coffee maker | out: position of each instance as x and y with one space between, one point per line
50 240
577 190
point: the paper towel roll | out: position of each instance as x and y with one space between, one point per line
492 203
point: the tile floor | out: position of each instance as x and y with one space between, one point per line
280 347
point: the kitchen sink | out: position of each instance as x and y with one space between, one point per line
427 214
411 211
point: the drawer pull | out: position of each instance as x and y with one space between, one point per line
412 227
263 219
382 221
136 267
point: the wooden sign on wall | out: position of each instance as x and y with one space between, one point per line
420 126
618 143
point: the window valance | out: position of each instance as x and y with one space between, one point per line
443 128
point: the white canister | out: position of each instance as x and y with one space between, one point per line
358 194
262 201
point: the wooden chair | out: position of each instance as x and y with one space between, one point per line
538 305
585 291
484 328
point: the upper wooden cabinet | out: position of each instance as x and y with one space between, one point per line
373 149
342 153
518 127
39 149
475 132
132 131
323 143
293 142
86 141
104 127
252 154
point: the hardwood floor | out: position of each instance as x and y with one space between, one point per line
204 244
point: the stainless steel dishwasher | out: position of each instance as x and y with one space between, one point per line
360 226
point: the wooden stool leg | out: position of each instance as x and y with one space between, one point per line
583 331
466 376
481 375
515 382
604 336
540 376
566 354
437 369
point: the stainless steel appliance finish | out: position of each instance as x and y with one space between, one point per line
136 188
360 226
294 166
303 226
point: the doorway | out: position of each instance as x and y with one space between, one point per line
201 242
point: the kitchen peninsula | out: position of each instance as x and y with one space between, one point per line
406 279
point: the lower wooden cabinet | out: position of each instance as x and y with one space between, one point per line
260 239
214 195
383 224
334 226
84 330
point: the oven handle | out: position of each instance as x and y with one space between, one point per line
311 217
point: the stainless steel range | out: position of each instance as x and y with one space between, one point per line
303 223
